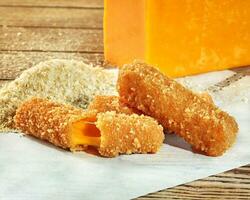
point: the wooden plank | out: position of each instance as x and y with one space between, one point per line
51 17
3 82
234 184
54 3
14 62
45 39
242 70
239 74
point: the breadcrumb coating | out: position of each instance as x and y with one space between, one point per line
120 133
66 81
110 103
206 97
127 134
47 120
179 110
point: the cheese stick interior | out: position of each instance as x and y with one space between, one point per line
193 117
84 132
70 128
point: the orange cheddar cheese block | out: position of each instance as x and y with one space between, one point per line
179 37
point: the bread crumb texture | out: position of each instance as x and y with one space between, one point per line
120 133
65 81
46 120
127 134
177 109
110 103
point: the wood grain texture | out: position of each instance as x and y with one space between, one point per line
55 40
243 70
55 3
240 73
3 82
234 184
12 63
51 17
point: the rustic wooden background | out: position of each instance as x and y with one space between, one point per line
36 30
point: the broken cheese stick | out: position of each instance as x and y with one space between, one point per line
70 128
110 103
203 125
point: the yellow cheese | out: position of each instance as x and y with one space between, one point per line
124 36
179 37
84 132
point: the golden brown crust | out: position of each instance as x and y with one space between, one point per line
110 103
178 109
120 133
46 120
127 134
206 97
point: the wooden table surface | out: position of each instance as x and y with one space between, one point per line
36 30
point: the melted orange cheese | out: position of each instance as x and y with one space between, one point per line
84 132
179 37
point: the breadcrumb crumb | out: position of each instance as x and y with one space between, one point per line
66 81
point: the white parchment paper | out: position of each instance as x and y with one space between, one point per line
32 169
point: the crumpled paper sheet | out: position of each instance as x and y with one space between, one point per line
32 169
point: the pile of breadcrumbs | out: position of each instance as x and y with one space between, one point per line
66 81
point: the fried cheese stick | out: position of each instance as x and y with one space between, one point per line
70 128
207 128
110 103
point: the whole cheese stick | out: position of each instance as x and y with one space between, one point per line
110 103
70 128
207 128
